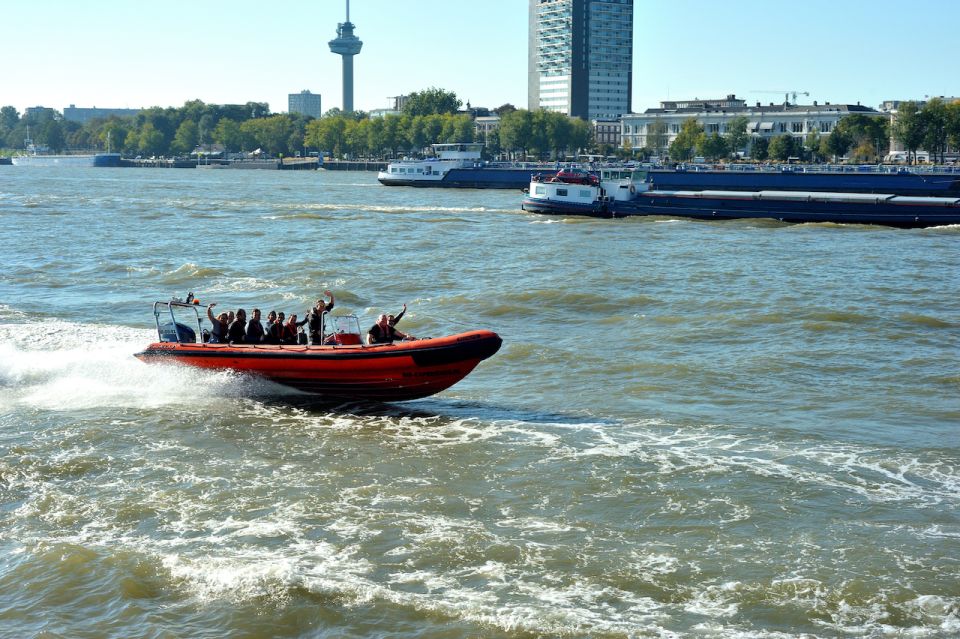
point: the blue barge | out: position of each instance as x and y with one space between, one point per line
458 165
624 193
943 181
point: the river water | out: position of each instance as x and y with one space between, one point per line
693 429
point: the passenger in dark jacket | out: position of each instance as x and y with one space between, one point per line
255 328
383 333
275 330
237 334
290 330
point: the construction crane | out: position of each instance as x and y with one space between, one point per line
787 95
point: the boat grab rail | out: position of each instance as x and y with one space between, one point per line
175 328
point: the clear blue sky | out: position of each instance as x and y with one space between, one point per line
131 53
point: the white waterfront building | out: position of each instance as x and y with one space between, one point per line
764 121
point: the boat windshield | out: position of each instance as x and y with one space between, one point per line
176 319
341 329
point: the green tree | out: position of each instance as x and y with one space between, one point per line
516 131
433 128
416 134
51 134
271 134
908 128
683 146
863 131
581 134
227 133
373 135
953 124
811 145
206 125
782 147
431 101
737 136
9 118
112 134
657 136
863 152
760 149
327 134
186 138
713 146
461 129
934 119
151 141
836 144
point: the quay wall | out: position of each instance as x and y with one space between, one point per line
344 165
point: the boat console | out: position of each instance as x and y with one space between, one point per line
175 319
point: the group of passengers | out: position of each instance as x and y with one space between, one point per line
230 327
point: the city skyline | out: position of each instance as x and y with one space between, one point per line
93 54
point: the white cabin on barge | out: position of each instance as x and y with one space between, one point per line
457 155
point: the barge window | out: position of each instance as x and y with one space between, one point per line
540 190
561 192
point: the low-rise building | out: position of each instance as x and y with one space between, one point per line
483 125
607 132
763 121
82 115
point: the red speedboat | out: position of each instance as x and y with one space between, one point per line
343 367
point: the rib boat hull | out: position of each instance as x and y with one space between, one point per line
385 372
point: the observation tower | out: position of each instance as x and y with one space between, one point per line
347 45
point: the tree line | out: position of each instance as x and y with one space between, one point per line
428 117
935 126
434 115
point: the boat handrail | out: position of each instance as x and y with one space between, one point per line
175 331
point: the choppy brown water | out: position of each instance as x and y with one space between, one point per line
693 428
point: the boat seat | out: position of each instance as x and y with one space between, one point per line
344 339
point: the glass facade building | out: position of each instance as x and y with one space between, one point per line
581 57
304 102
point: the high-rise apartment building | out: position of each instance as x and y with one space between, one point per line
581 57
304 102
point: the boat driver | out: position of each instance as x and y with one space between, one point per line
384 333
315 318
